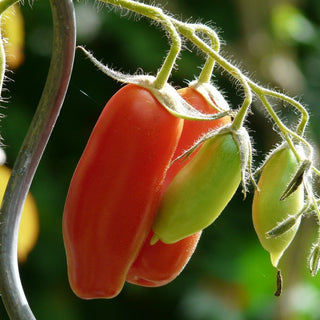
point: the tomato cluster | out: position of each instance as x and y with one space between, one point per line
148 183
116 189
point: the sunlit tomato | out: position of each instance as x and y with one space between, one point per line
200 191
115 190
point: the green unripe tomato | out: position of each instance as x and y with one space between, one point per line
201 190
268 210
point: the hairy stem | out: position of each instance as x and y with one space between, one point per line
260 91
156 14
29 156
206 72
5 4
234 71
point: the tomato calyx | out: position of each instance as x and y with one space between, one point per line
167 95
297 179
283 227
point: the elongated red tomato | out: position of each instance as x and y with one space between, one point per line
158 264
115 190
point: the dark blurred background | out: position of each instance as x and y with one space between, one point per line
229 277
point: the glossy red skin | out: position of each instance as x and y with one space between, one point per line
115 190
158 264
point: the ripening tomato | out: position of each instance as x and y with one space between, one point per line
115 190
267 207
201 190
158 264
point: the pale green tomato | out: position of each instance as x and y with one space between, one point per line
268 210
200 191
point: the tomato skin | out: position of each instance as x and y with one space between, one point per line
115 190
158 264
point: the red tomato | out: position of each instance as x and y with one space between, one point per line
115 190
158 264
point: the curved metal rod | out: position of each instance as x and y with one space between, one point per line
30 154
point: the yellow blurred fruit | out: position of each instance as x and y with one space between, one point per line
29 225
12 30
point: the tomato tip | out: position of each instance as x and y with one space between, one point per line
155 238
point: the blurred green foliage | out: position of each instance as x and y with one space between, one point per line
229 276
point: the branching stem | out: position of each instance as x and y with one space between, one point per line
157 15
190 31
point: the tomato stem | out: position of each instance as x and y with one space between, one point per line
248 85
158 15
166 68
206 72
260 91
233 70
286 132
190 32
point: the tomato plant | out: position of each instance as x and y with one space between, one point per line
126 193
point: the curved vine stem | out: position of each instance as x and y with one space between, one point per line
190 34
260 91
206 72
29 156
156 14
190 31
